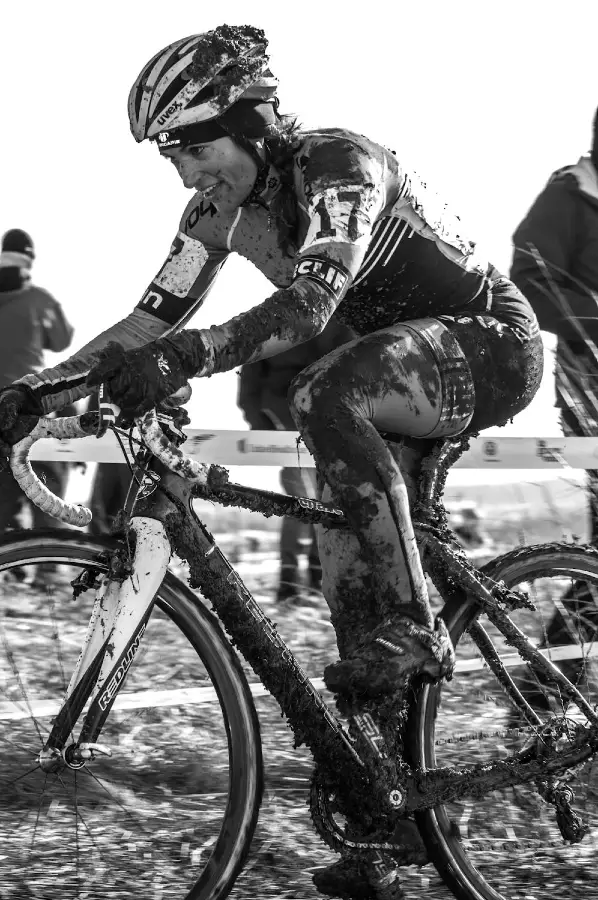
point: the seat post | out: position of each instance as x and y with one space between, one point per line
434 470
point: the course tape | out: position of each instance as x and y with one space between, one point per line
283 448
40 708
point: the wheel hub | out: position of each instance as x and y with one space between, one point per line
75 756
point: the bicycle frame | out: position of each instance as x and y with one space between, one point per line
164 521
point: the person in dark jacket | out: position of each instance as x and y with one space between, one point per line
31 322
555 265
263 389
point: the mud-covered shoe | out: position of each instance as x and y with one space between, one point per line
392 652
345 879
348 879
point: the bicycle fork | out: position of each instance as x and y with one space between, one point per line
118 620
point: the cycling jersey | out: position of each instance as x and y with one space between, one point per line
371 240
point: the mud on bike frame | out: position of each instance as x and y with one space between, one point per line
163 521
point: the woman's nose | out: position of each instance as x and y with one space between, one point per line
189 172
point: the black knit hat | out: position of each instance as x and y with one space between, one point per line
17 241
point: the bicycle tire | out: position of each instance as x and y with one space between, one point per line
202 639
440 833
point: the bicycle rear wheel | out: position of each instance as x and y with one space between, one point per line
507 845
172 812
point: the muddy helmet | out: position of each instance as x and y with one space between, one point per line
199 78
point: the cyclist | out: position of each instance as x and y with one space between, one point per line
341 227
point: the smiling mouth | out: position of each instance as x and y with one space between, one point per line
207 192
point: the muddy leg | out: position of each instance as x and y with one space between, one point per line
338 404
346 585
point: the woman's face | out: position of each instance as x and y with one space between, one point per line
220 170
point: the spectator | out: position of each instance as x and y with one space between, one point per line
555 264
263 389
31 321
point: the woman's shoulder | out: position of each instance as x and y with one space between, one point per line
336 143
340 155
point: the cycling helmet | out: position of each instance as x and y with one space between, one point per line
199 78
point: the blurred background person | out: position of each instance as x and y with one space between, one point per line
262 397
555 264
31 322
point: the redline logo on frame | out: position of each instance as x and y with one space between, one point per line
121 670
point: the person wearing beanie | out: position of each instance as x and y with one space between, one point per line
16 258
31 322
555 265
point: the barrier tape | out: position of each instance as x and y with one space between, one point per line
198 696
283 448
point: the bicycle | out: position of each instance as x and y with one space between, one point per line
150 753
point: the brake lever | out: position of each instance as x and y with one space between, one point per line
109 412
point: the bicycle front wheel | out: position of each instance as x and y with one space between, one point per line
507 845
171 812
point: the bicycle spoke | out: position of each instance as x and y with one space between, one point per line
115 799
78 816
17 675
16 746
64 679
124 818
499 838
39 809
21 776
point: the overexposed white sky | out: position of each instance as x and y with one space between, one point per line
485 98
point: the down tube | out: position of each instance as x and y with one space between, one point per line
273 662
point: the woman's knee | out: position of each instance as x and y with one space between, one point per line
310 392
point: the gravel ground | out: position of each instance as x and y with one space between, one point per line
143 835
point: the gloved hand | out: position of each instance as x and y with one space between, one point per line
138 380
20 410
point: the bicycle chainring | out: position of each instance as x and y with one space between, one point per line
322 804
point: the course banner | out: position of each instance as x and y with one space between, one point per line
283 448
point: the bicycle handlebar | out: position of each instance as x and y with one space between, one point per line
171 456
38 493
70 427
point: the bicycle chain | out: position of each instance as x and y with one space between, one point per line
333 836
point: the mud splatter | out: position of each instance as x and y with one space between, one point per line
296 314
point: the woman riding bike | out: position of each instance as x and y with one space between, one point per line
445 342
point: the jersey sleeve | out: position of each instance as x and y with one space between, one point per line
174 295
183 282
342 186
